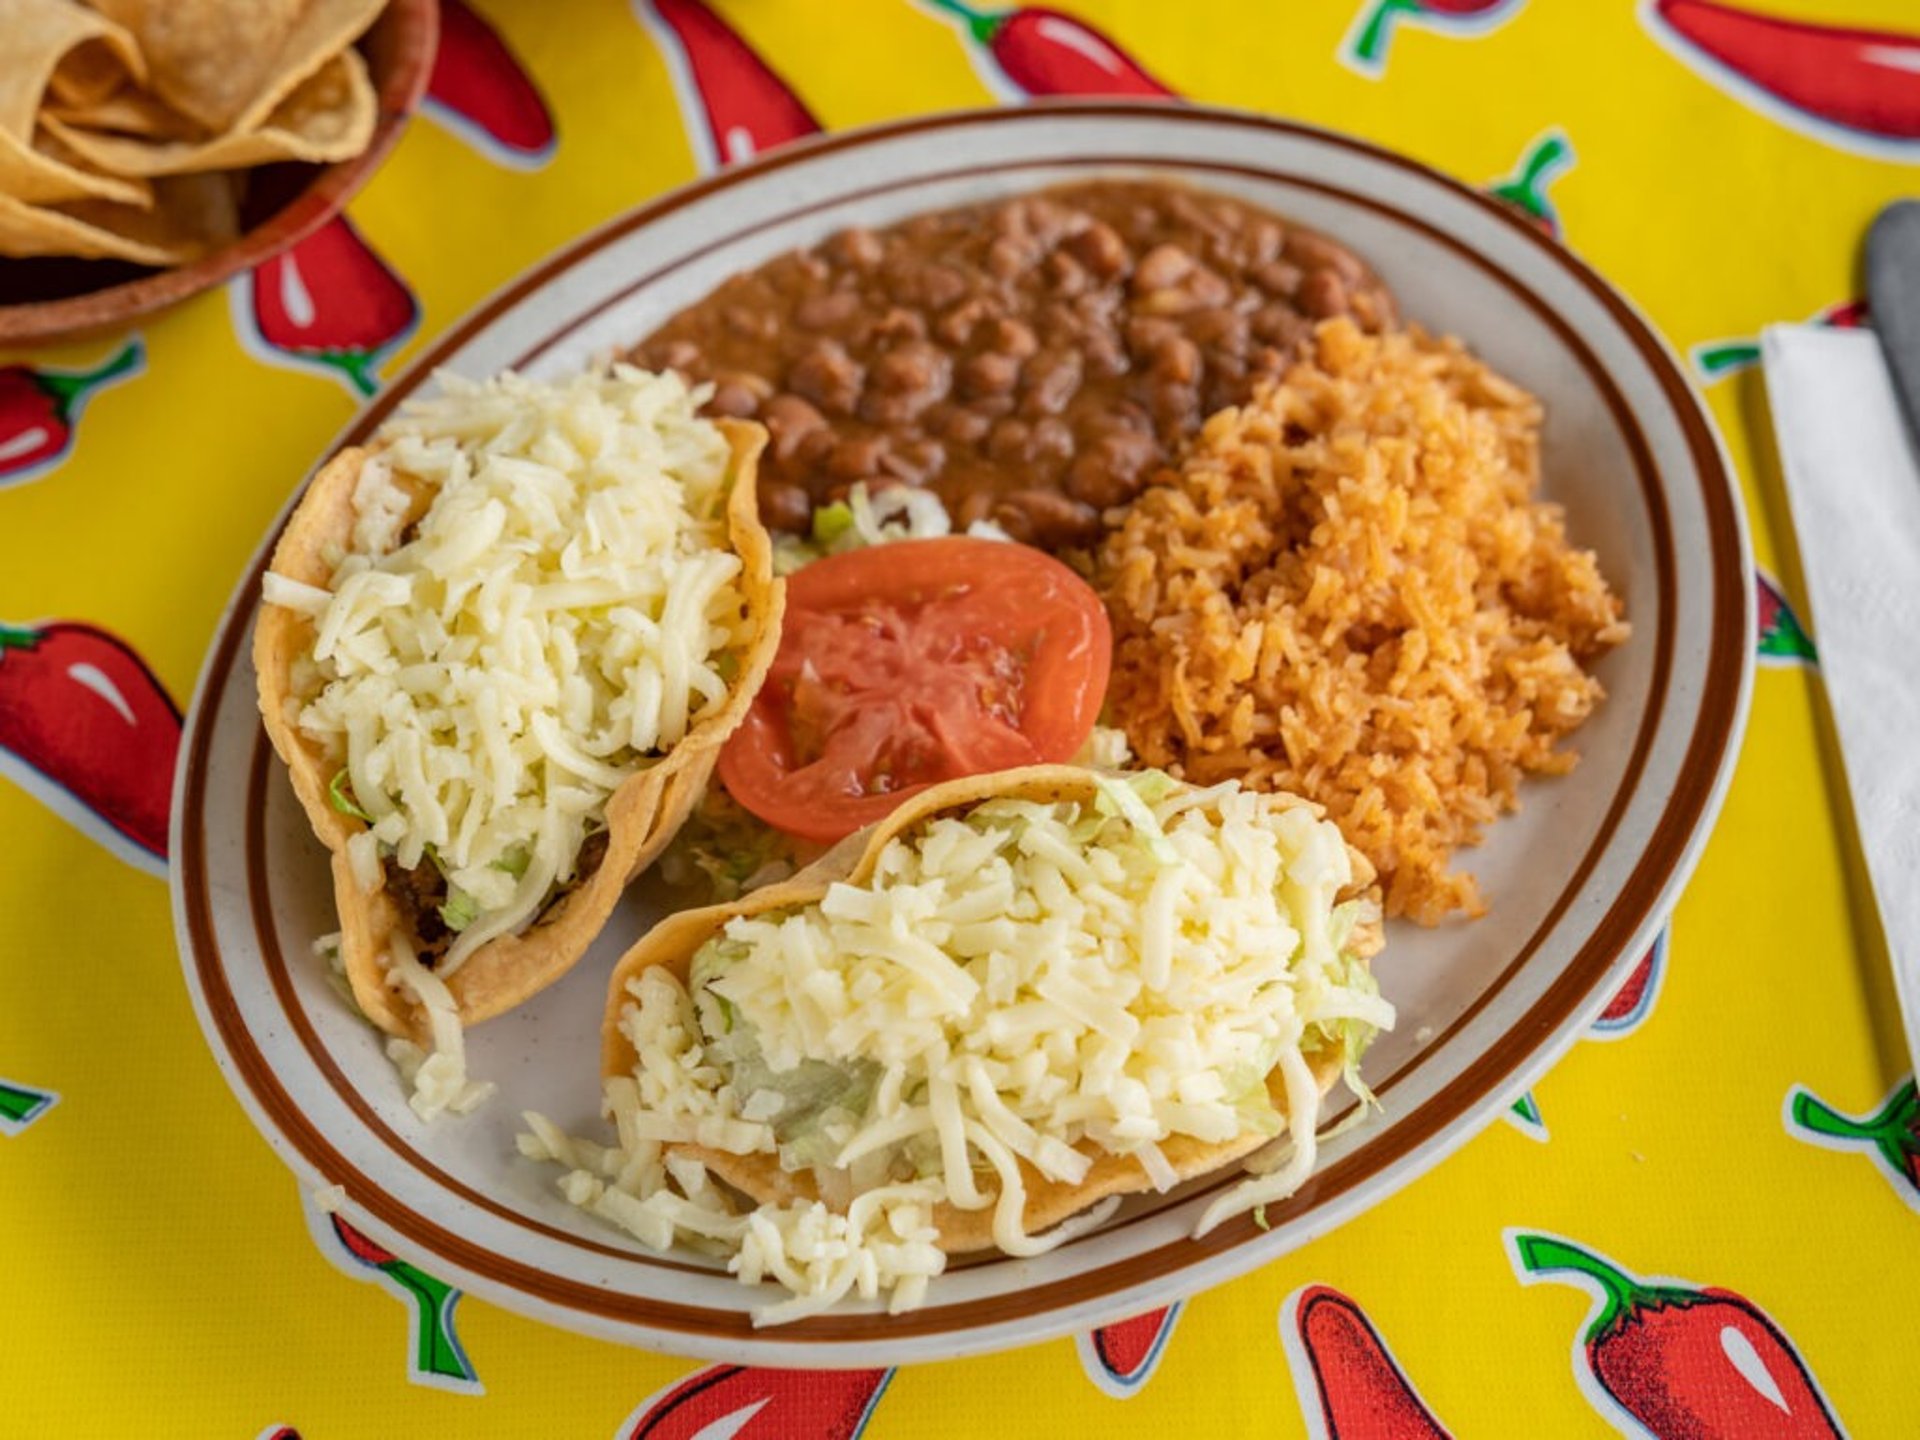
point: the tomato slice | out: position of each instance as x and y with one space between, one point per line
907 664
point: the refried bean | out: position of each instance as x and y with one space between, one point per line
1031 361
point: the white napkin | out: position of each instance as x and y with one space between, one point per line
1853 481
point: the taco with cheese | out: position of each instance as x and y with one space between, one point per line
499 650
1020 996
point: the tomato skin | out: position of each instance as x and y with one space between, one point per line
907 664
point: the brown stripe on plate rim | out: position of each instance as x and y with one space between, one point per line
1631 908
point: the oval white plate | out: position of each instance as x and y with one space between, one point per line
1579 880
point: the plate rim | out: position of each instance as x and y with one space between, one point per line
1720 721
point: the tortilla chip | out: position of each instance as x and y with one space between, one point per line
49 172
126 112
40 35
674 941
94 70
328 117
208 58
642 816
190 214
325 28
230 63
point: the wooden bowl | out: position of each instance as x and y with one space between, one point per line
44 300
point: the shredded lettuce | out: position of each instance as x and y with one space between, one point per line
461 909
1106 749
727 852
830 522
340 793
1121 795
1353 1034
819 1096
880 517
514 860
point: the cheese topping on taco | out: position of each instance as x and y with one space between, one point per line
566 608
1014 993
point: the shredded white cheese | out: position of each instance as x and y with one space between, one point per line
562 614
437 1078
1027 982
883 1245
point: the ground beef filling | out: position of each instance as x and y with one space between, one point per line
1031 361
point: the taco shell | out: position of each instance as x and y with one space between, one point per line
643 814
674 941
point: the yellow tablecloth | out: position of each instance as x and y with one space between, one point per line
161 1274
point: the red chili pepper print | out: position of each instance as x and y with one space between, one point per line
1121 1357
1891 1134
1349 1385
1780 637
330 303
1848 86
481 93
89 731
736 106
1683 1362
1633 1001
435 1357
21 1105
1040 52
39 409
748 1403
1365 47
1524 1115
1716 359
1546 159
278 1432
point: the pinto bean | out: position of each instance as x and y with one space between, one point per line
1323 294
785 507
858 248
858 457
826 312
733 399
1047 519
1316 252
1100 248
989 374
1049 379
829 377
1161 268
1012 337
789 420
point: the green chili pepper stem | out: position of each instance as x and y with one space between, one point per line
983 24
357 365
68 386
1892 1123
1716 360
439 1351
20 1104
1527 188
1371 47
1621 1293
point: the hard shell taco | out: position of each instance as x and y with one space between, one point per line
500 648
1018 996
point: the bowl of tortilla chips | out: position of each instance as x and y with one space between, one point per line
150 149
